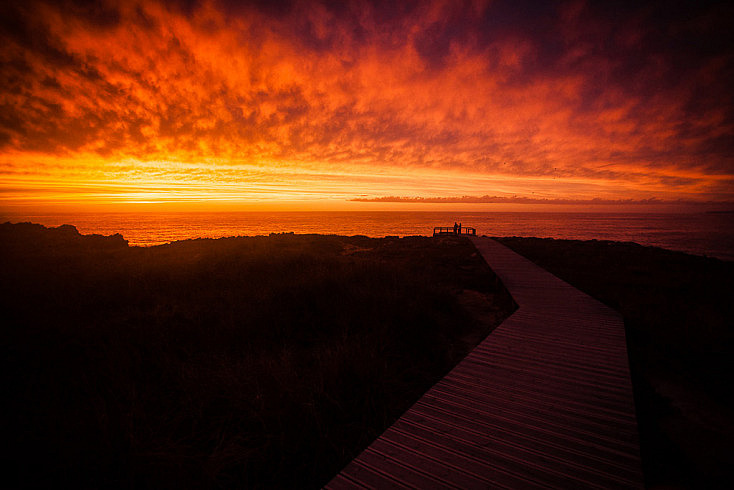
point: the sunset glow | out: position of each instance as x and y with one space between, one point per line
353 105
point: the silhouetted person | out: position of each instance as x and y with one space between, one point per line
459 228
456 227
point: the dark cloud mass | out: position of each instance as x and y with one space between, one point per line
633 94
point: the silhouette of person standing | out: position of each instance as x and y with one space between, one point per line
459 228
455 227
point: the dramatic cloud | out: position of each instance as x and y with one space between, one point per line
337 100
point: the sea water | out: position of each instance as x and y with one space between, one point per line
709 234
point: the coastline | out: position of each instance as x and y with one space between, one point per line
675 307
710 234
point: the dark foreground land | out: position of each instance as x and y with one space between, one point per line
679 320
242 362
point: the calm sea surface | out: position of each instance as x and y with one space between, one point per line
698 233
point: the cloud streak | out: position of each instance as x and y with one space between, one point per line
530 200
633 101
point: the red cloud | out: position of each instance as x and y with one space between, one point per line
565 93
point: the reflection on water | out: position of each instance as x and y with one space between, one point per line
698 233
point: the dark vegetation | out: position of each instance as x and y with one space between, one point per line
240 362
679 319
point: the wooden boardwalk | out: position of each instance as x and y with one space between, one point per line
544 401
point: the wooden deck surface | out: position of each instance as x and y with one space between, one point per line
544 401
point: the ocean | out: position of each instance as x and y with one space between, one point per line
710 234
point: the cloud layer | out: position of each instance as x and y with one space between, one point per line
569 100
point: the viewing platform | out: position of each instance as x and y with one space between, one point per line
457 231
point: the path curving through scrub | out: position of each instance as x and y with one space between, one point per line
544 401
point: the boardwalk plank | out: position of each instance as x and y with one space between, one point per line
544 401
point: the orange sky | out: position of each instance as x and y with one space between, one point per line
329 105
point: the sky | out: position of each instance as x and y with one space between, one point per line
365 105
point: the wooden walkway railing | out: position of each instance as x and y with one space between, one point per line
449 230
544 401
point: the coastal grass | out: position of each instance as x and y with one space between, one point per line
679 320
241 362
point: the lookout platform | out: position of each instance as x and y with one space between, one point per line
544 401
450 230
